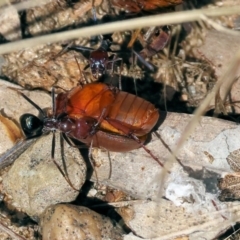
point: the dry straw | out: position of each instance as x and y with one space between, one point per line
22 5
162 19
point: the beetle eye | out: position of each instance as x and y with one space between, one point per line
31 125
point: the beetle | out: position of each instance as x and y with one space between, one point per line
96 114
137 6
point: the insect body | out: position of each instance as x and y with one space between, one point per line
99 60
98 115
121 119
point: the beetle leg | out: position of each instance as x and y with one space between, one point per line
70 46
129 133
99 120
57 165
78 48
134 137
71 144
112 68
89 156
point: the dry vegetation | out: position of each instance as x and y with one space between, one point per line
196 72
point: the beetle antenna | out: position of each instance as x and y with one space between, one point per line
80 71
34 104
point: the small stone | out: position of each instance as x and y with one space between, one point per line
34 181
10 23
66 221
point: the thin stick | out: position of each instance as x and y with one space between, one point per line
219 27
24 5
13 153
130 24
120 204
14 235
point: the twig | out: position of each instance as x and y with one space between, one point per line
10 232
161 19
23 5
219 27
121 204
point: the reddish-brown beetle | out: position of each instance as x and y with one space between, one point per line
136 6
122 118
98 115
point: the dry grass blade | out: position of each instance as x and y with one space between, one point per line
23 5
202 108
8 157
163 19
219 27
10 232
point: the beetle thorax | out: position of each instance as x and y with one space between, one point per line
98 61
63 124
75 128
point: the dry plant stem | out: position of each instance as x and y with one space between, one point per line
8 157
163 19
233 235
23 5
10 232
219 27
229 75
189 230
120 204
